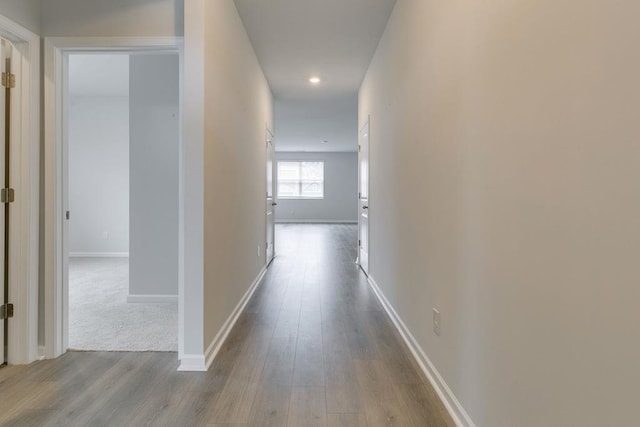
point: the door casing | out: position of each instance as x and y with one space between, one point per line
271 203
56 289
364 151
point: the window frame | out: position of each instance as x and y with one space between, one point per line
299 181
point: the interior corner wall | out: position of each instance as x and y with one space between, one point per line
238 109
340 202
23 12
75 18
505 174
98 175
154 177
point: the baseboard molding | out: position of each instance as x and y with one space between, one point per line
154 299
451 403
192 363
42 352
216 344
99 254
313 221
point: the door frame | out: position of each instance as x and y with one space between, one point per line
57 50
366 124
24 234
269 136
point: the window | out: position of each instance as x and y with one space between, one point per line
301 180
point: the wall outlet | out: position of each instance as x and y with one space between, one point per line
105 235
436 321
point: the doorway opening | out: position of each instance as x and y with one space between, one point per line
121 192
317 163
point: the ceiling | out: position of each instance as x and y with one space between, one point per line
303 125
99 75
331 39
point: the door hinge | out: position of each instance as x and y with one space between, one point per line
359 243
7 195
8 80
359 147
67 215
6 311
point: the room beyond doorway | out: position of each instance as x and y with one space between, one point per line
122 201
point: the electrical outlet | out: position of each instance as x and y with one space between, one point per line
105 235
436 322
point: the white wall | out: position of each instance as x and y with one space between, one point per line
98 175
504 191
340 203
112 17
24 12
238 106
155 137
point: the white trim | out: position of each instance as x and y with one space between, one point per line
314 221
191 363
451 403
56 51
99 254
154 299
24 236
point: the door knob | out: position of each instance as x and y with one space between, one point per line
365 207
274 204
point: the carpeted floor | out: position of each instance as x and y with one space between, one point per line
100 317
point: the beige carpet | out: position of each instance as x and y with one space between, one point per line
100 318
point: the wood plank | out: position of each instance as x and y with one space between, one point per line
346 420
423 405
271 407
307 407
309 364
382 406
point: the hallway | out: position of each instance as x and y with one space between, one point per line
313 347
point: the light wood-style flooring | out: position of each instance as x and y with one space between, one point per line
313 348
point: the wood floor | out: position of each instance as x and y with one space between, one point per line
313 348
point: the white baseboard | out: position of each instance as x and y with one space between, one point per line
152 299
99 254
216 344
455 409
314 221
42 352
192 363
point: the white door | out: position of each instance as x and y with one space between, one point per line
363 196
271 201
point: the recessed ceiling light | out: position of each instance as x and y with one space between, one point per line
314 80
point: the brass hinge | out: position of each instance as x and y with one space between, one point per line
7 195
6 311
8 80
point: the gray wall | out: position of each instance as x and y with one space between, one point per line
340 203
237 106
99 175
505 172
24 12
112 17
154 161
